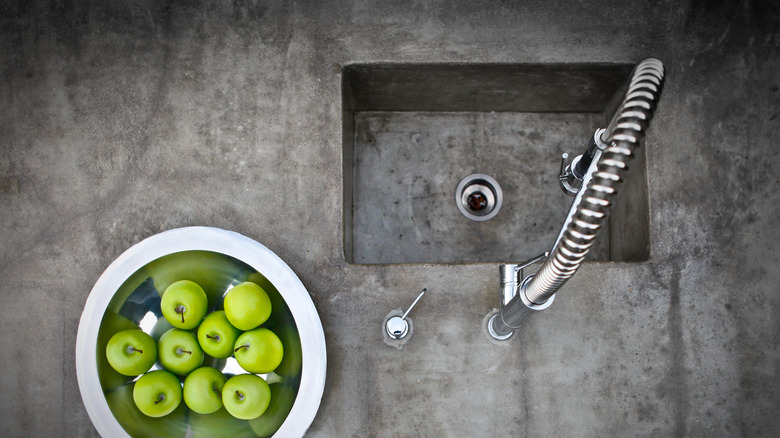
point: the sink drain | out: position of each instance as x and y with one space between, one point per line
478 197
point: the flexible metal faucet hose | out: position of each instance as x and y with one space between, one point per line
622 136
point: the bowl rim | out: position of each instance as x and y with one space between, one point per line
217 240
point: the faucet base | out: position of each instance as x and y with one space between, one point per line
492 332
512 315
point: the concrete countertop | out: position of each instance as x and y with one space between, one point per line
124 119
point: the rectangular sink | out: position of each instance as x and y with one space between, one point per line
411 133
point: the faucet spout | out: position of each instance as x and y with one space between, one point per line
592 203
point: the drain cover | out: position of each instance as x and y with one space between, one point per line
478 197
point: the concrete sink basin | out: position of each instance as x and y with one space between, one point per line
411 133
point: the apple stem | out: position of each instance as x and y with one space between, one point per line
216 337
219 393
240 396
135 349
181 351
160 398
243 346
180 309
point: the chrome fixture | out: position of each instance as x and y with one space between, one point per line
479 197
397 327
510 285
598 170
571 176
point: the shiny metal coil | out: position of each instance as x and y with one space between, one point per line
622 136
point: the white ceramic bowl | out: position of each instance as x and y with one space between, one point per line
126 292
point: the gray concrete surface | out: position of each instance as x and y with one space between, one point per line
122 119
408 166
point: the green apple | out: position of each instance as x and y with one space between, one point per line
179 351
184 304
136 424
247 306
246 396
111 324
282 399
217 336
131 352
157 394
259 351
203 390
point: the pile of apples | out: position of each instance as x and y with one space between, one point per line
234 331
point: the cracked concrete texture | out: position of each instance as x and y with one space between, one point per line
119 120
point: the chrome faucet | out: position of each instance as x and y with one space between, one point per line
591 178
